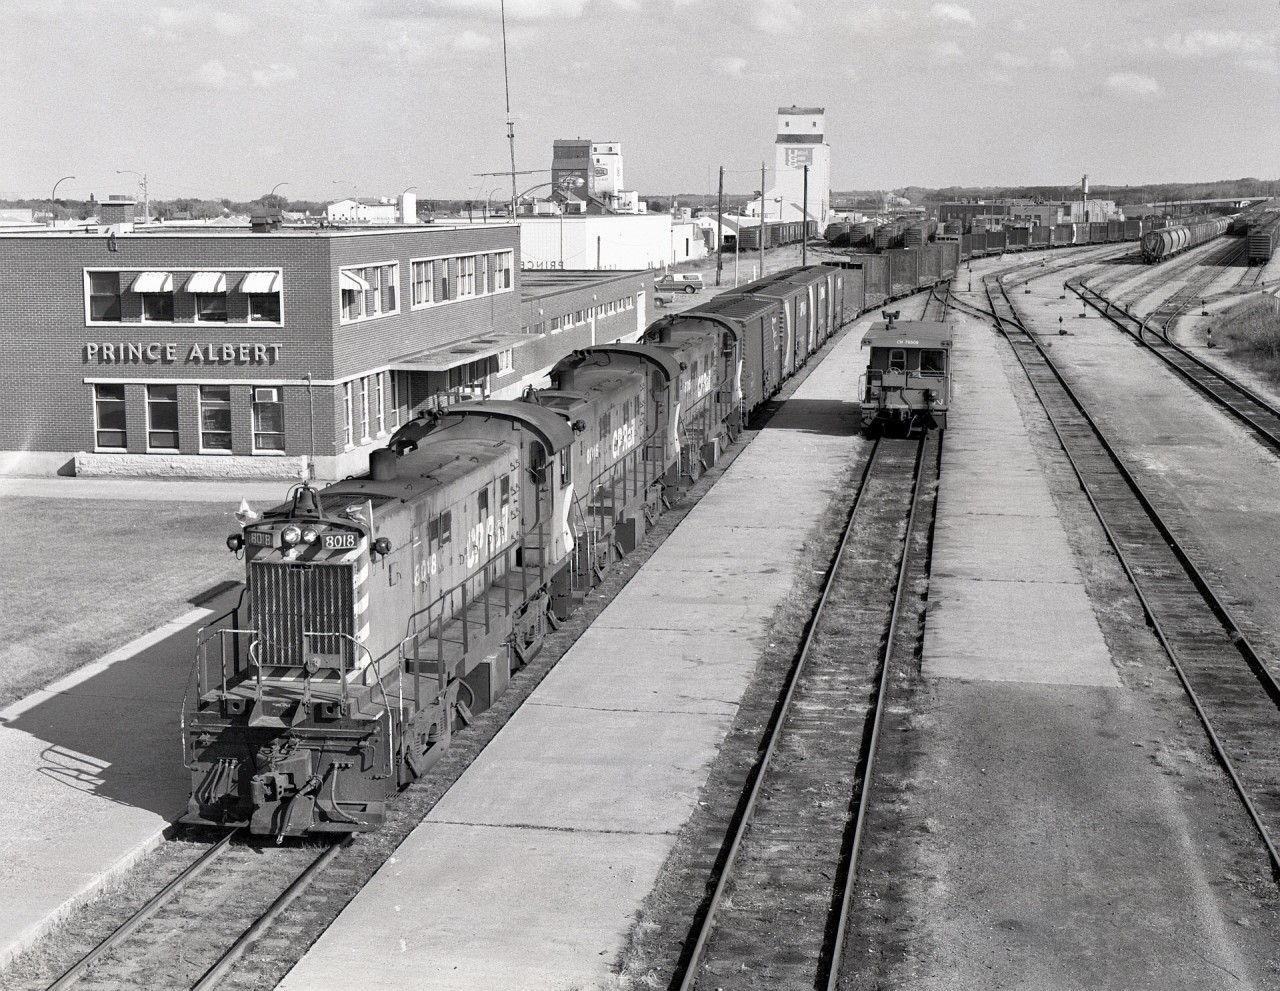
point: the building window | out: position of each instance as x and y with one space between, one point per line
506 361
346 413
162 417
211 306
482 285
502 276
466 276
268 419
424 278
393 382
368 292
157 307
364 409
382 404
108 402
104 296
215 418
555 325
264 307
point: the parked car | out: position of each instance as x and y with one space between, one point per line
678 282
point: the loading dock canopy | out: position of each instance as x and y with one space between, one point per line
908 334
153 282
459 353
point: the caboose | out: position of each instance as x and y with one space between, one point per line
908 378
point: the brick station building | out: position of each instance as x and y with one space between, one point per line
208 351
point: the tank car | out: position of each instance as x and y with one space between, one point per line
1157 245
907 385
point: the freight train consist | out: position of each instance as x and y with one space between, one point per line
1159 245
384 611
776 234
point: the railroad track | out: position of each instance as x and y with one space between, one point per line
938 302
1234 694
1250 408
191 935
783 888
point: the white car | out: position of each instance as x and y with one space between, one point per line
678 282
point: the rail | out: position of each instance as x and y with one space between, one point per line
1072 441
691 968
1243 403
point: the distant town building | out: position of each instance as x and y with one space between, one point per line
385 210
607 241
223 351
801 142
1041 213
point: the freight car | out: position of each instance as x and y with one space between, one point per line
383 612
1263 234
908 378
1158 245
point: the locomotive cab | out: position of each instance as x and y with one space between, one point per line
907 386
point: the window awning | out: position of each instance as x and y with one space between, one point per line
349 280
207 282
260 282
153 282
463 352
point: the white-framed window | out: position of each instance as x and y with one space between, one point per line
393 381
177 297
381 405
555 325
346 414
110 430
364 409
215 418
162 417
466 276
502 273
482 276
369 291
423 273
506 361
268 419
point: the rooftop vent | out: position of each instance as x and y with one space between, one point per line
265 219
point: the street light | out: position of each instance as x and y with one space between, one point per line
53 197
277 186
146 199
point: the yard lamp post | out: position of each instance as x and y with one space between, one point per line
53 198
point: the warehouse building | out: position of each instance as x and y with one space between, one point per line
248 353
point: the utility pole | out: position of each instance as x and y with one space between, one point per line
804 237
762 220
720 227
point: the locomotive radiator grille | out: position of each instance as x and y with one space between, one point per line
290 600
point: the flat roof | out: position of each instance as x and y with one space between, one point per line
908 333
245 230
802 110
539 283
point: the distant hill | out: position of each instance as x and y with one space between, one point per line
1148 193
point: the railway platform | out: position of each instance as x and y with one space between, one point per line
85 799
529 872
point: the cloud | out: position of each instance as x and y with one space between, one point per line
945 51
1009 61
776 16
215 75
470 41
274 73
1208 44
951 12
517 10
1060 58
876 20
1132 85
167 23
732 66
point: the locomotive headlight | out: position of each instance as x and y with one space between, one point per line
235 542
291 535
309 535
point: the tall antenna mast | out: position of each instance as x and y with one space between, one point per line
511 126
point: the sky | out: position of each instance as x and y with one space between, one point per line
368 97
